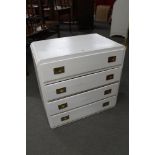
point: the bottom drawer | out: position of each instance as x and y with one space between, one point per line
81 112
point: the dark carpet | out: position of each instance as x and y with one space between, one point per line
106 133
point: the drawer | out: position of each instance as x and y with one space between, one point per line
80 84
79 65
78 100
81 112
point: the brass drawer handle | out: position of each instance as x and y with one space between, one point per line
61 90
65 118
108 91
109 77
112 59
105 104
59 70
62 106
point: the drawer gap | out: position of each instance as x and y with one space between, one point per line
80 75
82 92
84 105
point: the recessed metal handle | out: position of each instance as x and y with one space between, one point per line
62 106
109 77
65 118
112 59
61 90
59 70
108 91
105 104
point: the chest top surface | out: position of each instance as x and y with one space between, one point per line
62 48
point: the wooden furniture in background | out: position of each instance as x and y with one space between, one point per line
63 8
108 6
102 12
37 24
41 23
84 11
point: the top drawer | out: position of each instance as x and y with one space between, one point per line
79 65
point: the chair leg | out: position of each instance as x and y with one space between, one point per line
70 27
58 30
59 20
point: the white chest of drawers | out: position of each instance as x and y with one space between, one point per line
77 76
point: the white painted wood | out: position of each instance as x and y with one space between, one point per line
81 64
53 50
81 99
85 62
81 112
81 84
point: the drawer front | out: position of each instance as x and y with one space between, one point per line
81 112
80 84
79 65
78 100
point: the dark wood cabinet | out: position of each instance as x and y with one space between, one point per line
83 11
